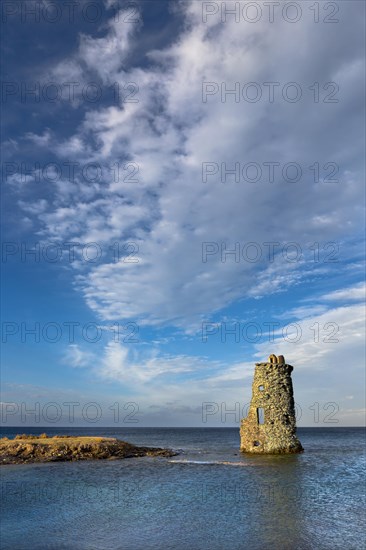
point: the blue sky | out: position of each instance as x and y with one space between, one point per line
140 172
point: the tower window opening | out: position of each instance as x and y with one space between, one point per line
261 388
260 415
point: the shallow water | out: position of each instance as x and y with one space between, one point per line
208 497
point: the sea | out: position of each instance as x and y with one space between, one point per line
208 497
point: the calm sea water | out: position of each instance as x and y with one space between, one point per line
209 497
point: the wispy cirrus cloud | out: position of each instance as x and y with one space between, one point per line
354 293
169 131
325 347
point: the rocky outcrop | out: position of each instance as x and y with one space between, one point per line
270 427
27 449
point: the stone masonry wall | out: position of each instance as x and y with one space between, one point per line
272 394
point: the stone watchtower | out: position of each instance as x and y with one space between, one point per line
270 426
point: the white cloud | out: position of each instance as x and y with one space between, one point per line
330 341
42 140
36 207
97 59
123 366
325 348
170 132
18 179
347 294
77 357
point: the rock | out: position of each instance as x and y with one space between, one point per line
25 449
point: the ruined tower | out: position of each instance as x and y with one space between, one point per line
270 426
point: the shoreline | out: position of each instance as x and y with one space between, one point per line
31 449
